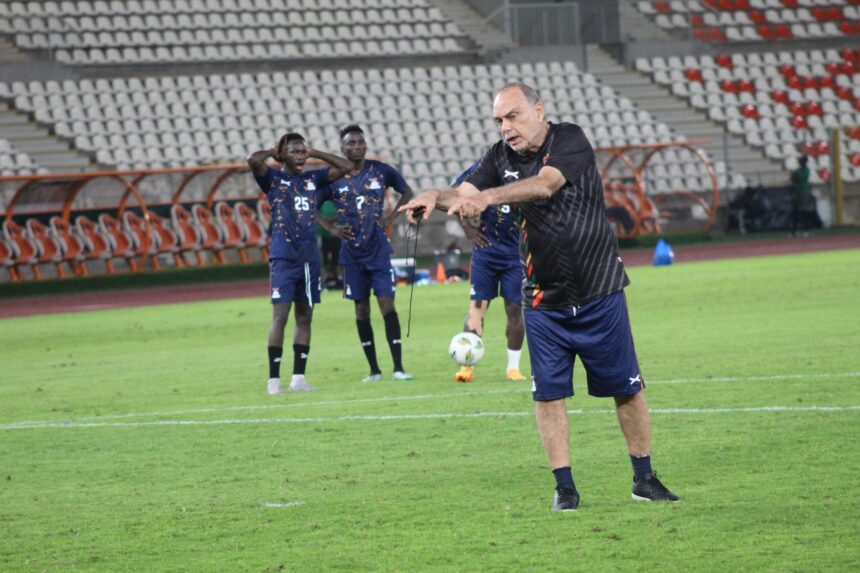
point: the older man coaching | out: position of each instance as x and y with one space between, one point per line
573 293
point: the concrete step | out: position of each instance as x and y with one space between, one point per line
9 118
27 130
53 159
40 145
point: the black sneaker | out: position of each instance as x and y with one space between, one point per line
566 499
649 488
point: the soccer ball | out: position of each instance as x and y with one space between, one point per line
466 349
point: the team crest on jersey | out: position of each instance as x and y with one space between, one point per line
276 293
512 174
374 184
309 185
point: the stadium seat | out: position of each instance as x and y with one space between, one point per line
231 231
72 246
166 239
48 249
210 233
253 230
121 244
7 260
24 251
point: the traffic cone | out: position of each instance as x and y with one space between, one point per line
441 277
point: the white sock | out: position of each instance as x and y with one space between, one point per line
514 359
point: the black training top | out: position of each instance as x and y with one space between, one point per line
567 247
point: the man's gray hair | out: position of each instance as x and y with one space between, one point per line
528 92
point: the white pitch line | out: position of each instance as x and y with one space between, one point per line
279 504
406 417
516 389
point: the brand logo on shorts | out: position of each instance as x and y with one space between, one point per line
348 290
634 380
276 293
472 291
534 386
512 174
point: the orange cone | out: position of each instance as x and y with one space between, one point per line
441 277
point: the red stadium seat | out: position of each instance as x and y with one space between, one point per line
190 237
7 260
210 233
750 111
253 229
167 241
49 249
121 245
142 242
780 96
23 250
98 245
694 75
663 7
758 17
783 31
724 61
71 244
225 218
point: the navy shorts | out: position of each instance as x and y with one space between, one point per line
295 281
358 279
493 277
599 333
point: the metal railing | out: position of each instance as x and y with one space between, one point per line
538 24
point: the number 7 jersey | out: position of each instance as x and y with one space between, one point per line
360 202
294 200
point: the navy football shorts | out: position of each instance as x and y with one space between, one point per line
493 277
359 278
295 281
599 333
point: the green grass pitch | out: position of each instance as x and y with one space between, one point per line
142 439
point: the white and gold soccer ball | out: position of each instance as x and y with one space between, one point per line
466 349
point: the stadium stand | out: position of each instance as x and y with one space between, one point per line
147 32
14 162
164 84
756 20
783 102
170 121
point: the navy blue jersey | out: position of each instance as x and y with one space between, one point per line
360 202
498 224
294 200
